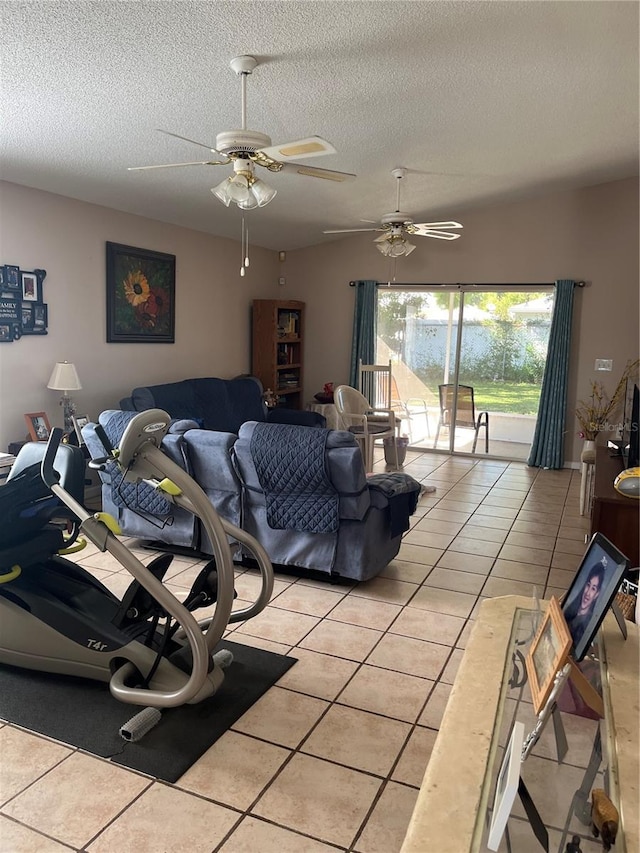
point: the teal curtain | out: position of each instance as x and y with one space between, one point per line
363 344
547 449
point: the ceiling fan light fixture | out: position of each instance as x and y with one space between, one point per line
394 246
262 192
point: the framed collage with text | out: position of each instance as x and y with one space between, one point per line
140 295
22 307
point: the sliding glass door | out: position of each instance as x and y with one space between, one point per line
467 364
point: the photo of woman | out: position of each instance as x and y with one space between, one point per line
578 613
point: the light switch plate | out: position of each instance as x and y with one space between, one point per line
604 364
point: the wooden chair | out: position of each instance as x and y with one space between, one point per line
365 422
465 413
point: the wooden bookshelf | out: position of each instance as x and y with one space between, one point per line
277 357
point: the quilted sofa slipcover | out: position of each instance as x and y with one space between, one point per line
360 540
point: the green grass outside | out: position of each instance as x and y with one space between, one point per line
520 398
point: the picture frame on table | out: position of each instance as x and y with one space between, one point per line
79 421
592 592
507 786
140 295
38 425
548 653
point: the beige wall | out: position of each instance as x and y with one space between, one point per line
67 238
589 234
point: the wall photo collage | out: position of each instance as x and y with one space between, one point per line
22 308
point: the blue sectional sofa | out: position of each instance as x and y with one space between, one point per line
301 491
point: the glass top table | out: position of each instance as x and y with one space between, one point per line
490 693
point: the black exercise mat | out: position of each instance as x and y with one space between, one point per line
84 714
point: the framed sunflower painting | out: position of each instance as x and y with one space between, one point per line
140 296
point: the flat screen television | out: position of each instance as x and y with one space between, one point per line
631 426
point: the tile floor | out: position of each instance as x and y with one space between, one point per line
332 757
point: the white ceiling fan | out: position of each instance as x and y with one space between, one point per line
396 225
249 148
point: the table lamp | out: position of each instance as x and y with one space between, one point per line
64 377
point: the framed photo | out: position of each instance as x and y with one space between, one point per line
78 422
6 333
547 654
140 295
39 426
30 287
591 592
506 786
11 279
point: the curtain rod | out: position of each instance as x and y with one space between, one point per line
466 284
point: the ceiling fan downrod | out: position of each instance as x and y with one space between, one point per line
243 66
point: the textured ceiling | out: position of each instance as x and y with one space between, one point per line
481 101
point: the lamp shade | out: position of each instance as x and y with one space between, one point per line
64 377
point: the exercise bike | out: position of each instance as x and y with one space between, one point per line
56 617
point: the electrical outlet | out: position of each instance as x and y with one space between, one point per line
604 364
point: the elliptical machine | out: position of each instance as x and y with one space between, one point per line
56 617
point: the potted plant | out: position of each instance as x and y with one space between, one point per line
593 413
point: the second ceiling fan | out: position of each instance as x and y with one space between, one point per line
395 226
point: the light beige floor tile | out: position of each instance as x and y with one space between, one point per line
515 495
554 791
553 592
76 799
455 580
428 524
419 554
258 836
307 599
387 825
341 640
366 612
24 757
526 555
465 562
188 823
531 540
560 578
568 562
526 572
549 519
497 511
432 715
357 739
451 669
428 539
428 625
384 589
401 570
413 761
449 515
234 770
461 642
570 546
415 657
281 626
505 586
484 534
16 838
534 528
459 506
317 674
248 585
259 643
315 797
281 717
575 533
476 547
493 522
444 601
381 691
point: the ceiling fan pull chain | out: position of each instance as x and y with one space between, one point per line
246 251
242 272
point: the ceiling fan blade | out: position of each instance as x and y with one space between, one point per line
441 235
310 146
173 165
348 230
313 172
186 139
423 227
